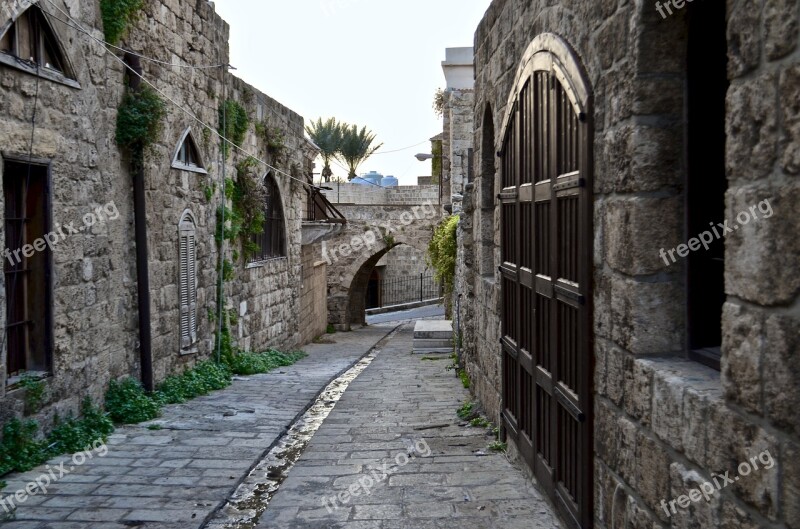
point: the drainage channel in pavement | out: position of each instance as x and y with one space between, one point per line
252 497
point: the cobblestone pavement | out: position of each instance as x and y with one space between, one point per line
395 432
174 478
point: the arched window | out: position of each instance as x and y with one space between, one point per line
271 242
187 155
187 258
29 43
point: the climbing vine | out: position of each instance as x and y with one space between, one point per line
274 138
117 14
442 254
233 124
139 119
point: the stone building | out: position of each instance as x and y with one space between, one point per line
73 318
629 256
381 254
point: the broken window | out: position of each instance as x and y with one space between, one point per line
27 268
271 242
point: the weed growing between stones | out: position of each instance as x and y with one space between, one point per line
464 378
34 392
479 422
466 412
128 403
23 448
497 446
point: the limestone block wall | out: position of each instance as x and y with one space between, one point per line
372 232
365 194
94 275
313 300
664 424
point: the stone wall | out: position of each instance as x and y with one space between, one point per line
314 297
347 193
664 424
94 274
372 232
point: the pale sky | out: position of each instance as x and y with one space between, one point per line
369 62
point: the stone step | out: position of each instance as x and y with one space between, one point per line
433 343
433 330
441 350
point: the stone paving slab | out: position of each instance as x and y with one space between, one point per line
177 476
398 403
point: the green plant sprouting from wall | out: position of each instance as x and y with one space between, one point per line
233 124
442 255
34 392
274 138
139 119
117 15
438 102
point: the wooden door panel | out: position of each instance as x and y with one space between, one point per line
546 230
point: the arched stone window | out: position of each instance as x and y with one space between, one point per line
187 156
28 43
271 242
187 265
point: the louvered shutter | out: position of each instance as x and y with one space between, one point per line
188 281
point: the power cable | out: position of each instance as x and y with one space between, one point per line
189 113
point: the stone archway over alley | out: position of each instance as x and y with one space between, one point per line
378 221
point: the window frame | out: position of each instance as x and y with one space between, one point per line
65 77
199 168
275 205
48 323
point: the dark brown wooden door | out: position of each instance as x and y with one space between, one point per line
546 279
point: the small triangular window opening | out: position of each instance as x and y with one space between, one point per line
187 155
31 39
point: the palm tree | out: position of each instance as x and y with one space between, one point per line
328 137
356 148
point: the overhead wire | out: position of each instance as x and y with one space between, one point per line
76 25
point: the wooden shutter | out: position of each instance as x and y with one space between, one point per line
188 282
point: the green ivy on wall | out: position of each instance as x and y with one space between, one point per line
442 255
139 119
117 14
236 122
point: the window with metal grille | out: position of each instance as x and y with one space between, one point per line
30 39
271 242
187 257
27 261
187 155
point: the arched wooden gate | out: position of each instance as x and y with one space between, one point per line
546 274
